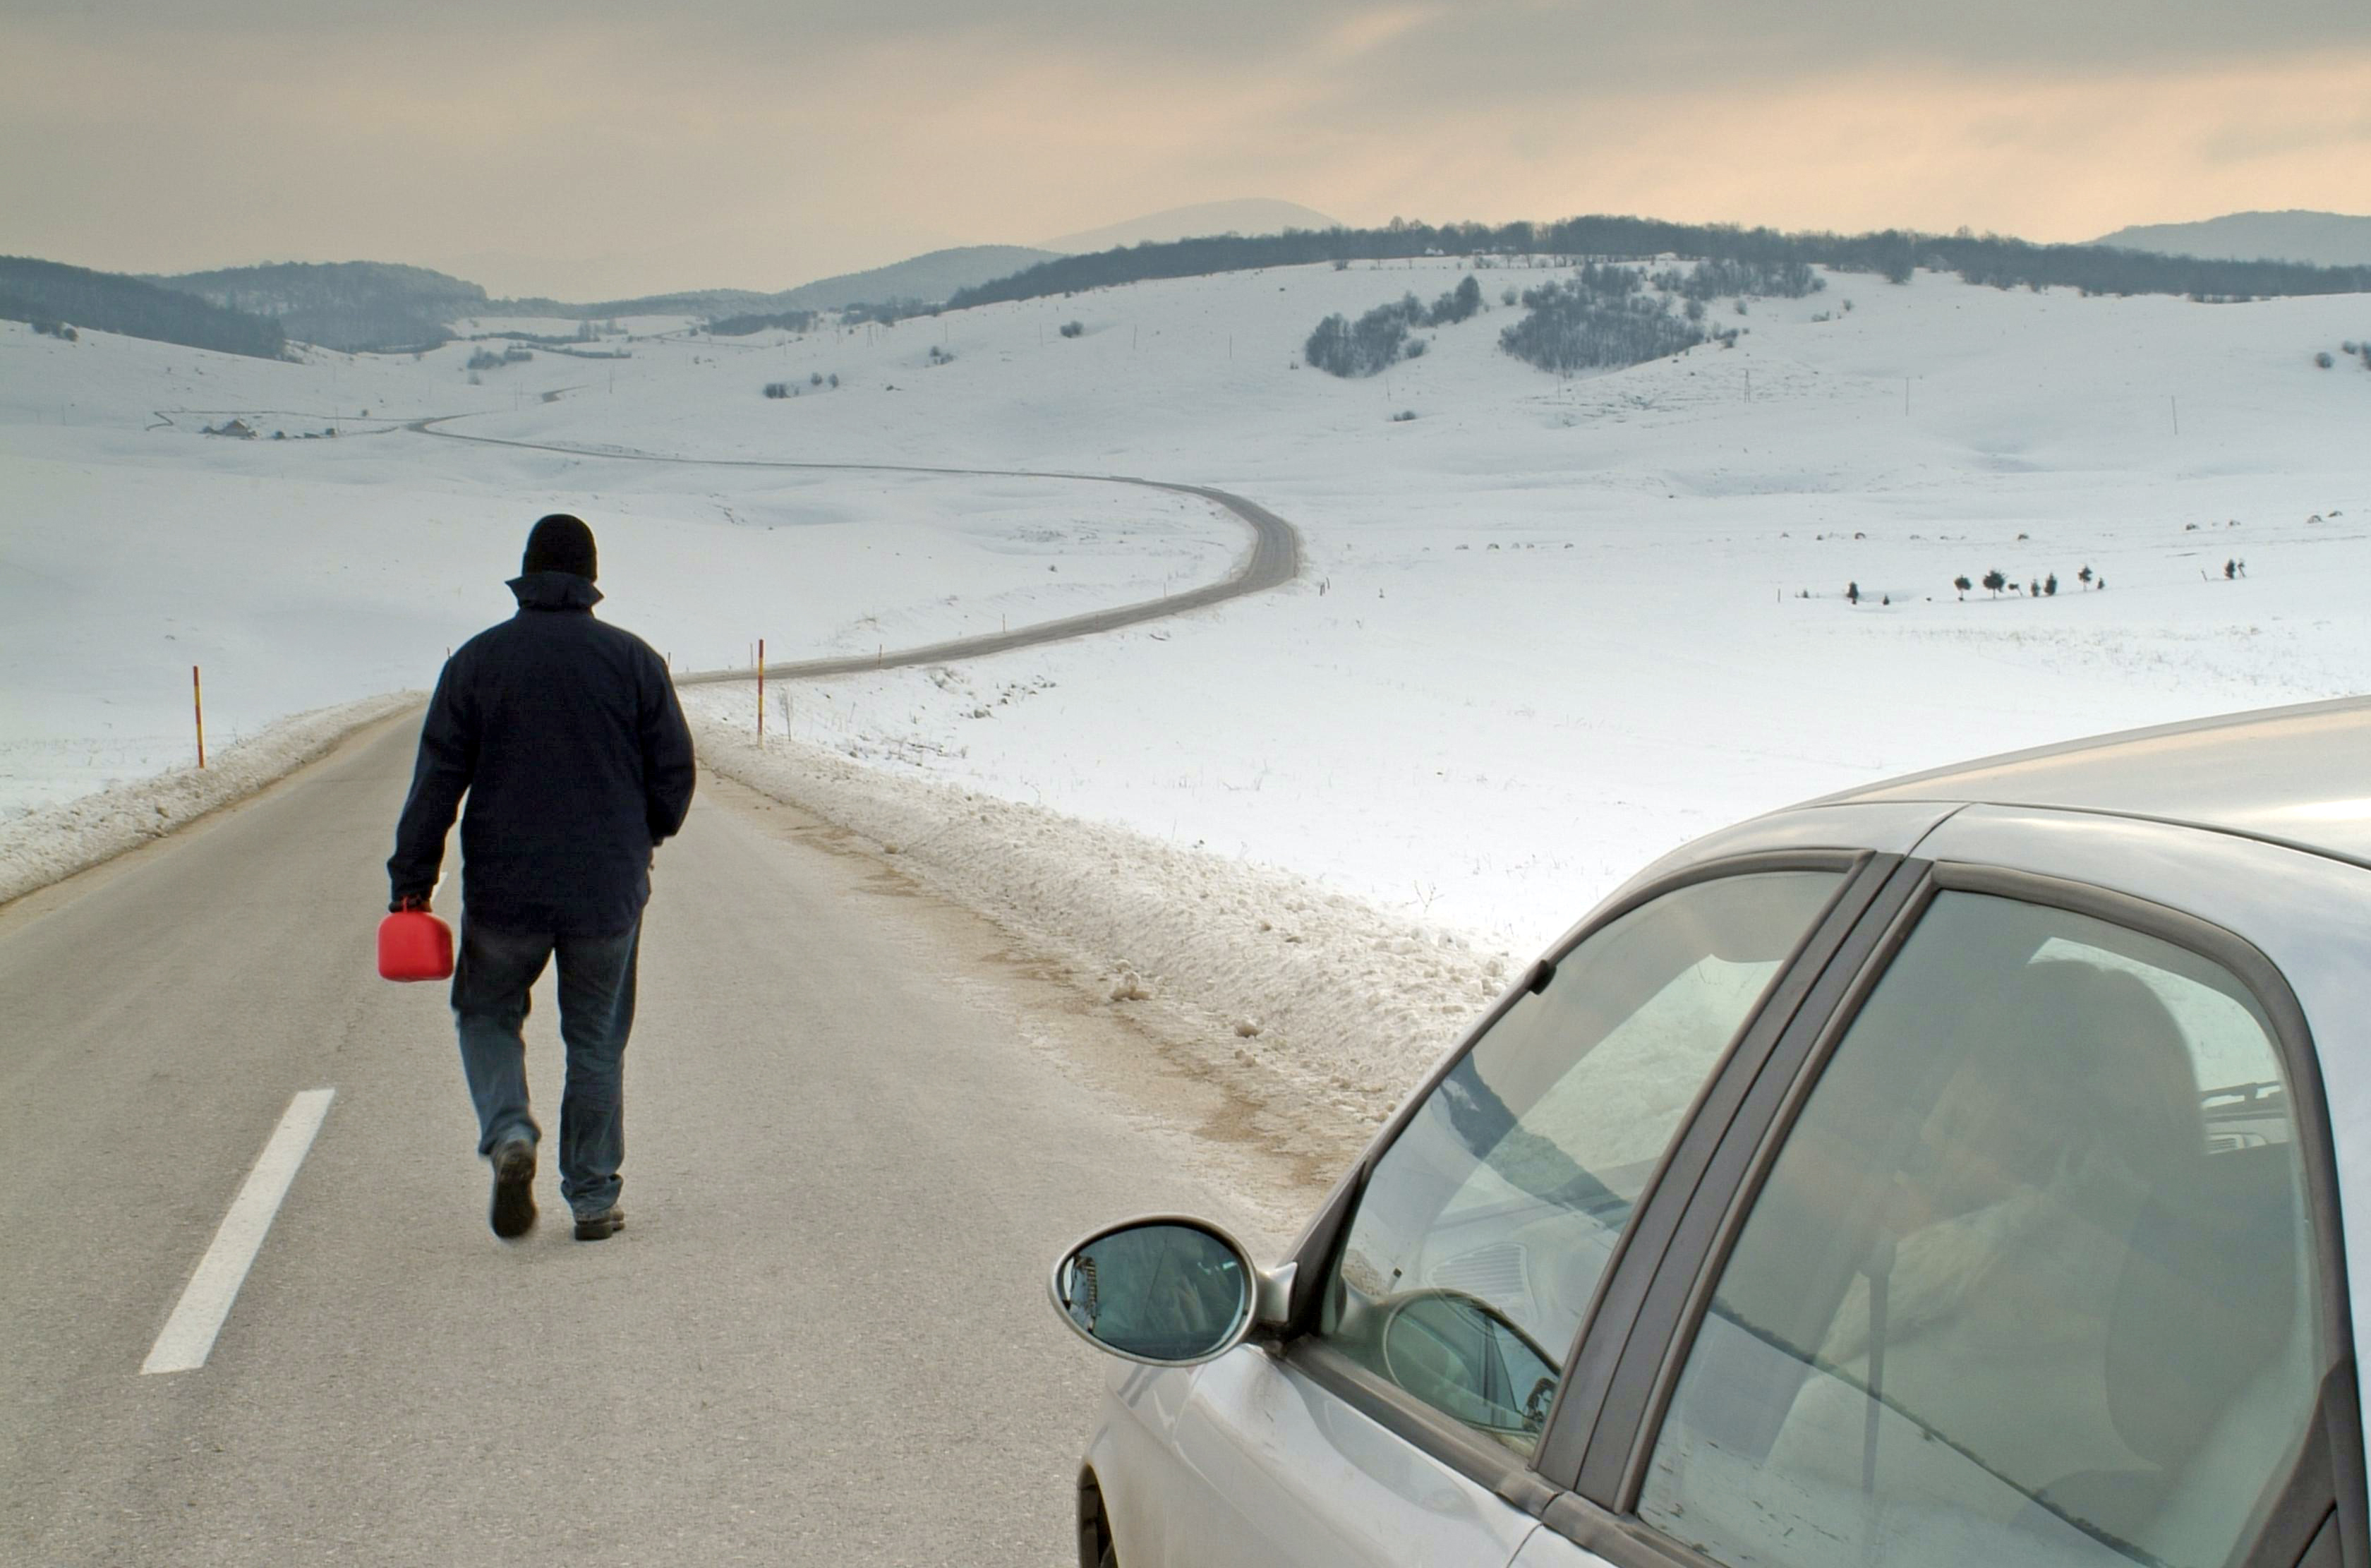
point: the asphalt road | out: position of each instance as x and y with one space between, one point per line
857 1134
1274 559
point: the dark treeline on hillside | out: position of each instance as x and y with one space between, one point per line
704 302
1892 253
50 293
779 320
356 306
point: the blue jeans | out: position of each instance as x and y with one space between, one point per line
491 980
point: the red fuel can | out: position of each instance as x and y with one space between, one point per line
414 945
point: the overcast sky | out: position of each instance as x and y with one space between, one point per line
590 147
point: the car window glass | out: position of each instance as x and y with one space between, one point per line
1485 1227
2031 1280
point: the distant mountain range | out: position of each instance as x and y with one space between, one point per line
929 277
2319 240
925 279
383 307
1253 215
350 306
55 298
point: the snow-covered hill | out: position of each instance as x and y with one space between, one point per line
1550 627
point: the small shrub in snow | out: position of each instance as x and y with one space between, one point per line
1995 579
778 389
2322 360
1073 329
815 378
1852 594
1403 417
1459 303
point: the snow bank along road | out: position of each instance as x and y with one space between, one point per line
1274 559
859 1129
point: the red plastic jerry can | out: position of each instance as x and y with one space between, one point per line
414 945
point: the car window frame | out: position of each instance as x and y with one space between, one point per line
2300 1527
1864 876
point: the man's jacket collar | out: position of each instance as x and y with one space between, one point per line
555 591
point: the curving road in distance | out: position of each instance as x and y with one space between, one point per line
1275 558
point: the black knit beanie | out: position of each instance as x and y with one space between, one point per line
560 543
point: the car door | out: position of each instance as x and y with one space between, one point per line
1437 1309
2032 1262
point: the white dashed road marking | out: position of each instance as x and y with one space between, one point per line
189 1336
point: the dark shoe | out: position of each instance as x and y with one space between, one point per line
598 1226
512 1213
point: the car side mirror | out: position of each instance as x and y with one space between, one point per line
1164 1290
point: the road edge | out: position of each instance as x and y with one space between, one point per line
1316 1005
56 844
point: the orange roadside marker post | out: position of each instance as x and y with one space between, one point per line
761 691
197 706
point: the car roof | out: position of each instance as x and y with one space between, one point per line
2299 776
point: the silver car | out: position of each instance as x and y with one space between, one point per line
1960 1170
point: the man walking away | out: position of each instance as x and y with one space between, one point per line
566 737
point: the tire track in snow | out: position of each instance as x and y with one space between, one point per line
1274 560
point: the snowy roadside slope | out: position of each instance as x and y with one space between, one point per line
54 842
1270 978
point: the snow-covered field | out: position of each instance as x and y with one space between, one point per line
300 573
1549 627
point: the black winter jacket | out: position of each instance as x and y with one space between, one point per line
566 735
